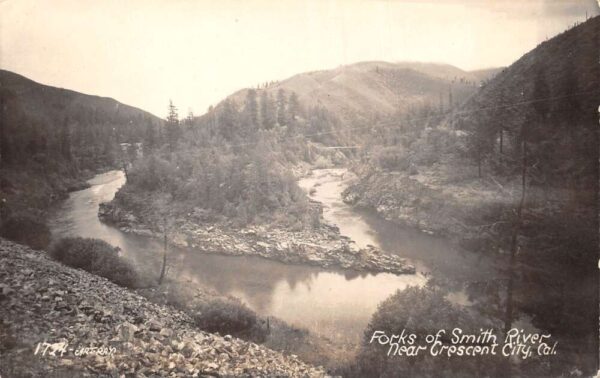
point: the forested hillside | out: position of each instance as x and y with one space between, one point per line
513 173
368 88
234 164
360 94
52 138
550 142
236 160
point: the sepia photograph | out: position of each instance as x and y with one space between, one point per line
299 188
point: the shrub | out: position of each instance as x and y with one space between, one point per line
392 158
421 311
25 229
322 162
97 257
226 315
230 317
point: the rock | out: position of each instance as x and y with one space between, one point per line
128 330
169 347
153 325
166 332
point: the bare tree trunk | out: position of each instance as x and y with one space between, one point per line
164 263
514 243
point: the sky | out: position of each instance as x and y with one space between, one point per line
196 52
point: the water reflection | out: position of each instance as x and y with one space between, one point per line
334 303
430 254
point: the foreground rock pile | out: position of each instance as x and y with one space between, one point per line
58 321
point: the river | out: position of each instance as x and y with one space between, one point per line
332 303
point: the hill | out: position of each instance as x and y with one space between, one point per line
368 88
558 81
512 173
51 138
133 335
46 103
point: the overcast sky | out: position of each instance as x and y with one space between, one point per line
143 53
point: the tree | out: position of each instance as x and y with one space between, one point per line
124 157
281 105
515 234
228 119
161 212
498 116
251 107
149 137
479 142
173 129
266 111
420 312
294 109
65 140
189 120
530 129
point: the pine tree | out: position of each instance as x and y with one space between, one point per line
65 141
227 119
281 108
149 137
294 106
251 107
173 129
189 120
266 111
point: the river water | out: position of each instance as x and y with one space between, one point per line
332 303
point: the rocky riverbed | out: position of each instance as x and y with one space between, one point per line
323 247
59 321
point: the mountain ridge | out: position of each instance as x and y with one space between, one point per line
364 89
22 85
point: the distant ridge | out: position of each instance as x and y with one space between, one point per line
367 88
44 102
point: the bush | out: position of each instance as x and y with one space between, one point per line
421 311
392 158
97 257
25 229
230 317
